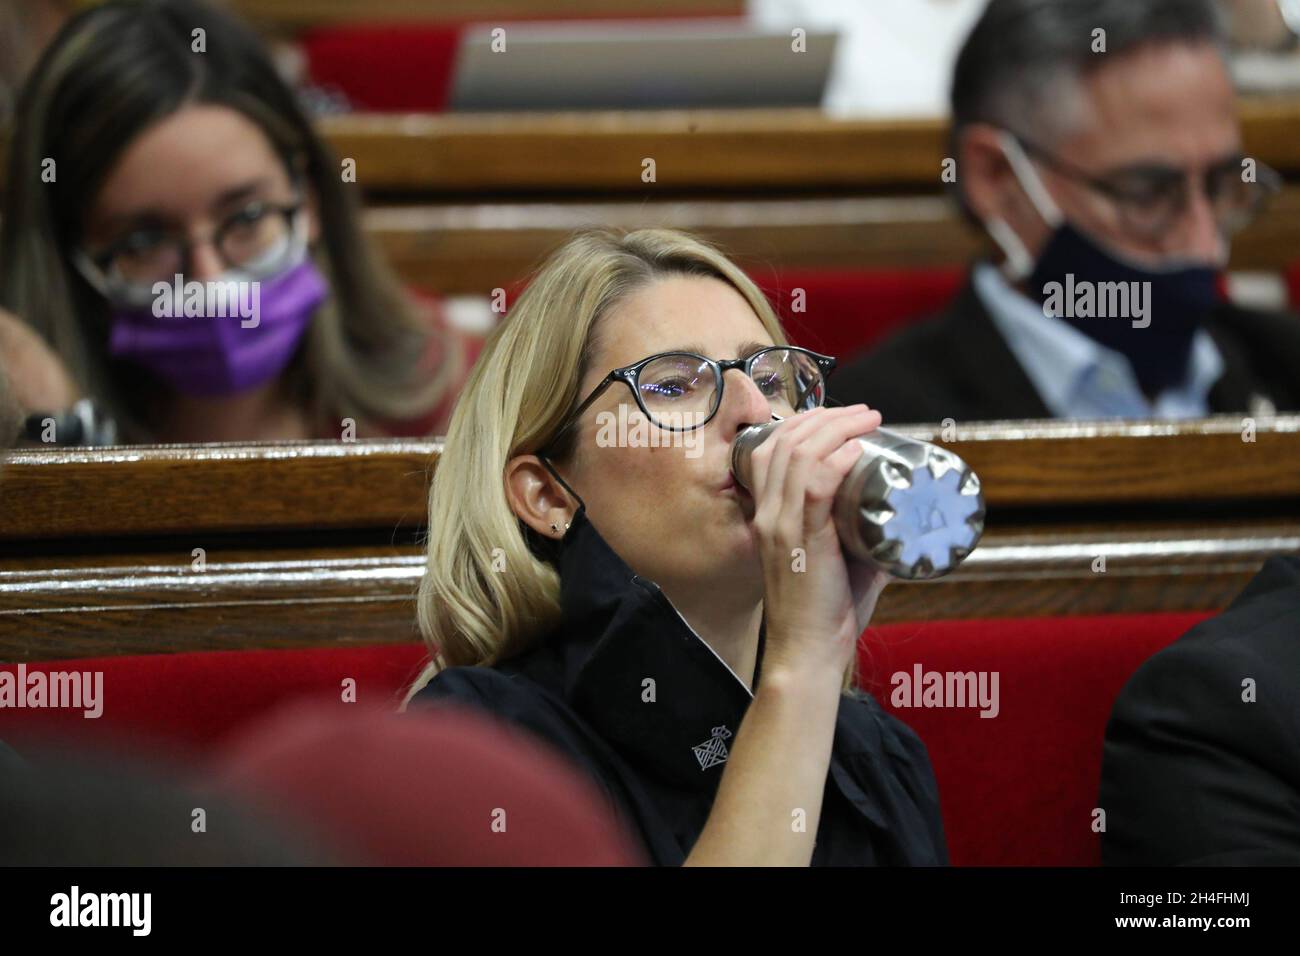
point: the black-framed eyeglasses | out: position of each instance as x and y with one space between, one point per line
258 240
682 391
1151 198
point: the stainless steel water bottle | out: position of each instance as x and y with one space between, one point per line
912 509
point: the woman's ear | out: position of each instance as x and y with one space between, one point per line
536 497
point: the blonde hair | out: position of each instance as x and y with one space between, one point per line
521 390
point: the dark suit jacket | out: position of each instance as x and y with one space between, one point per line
957 365
1193 774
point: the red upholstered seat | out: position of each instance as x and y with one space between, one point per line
1018 788
1293 287
385 68
189 702
846 311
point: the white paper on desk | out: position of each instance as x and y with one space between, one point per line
895 57
1256 71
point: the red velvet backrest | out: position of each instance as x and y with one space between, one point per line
844 312
1018 788
187 703
385 68
847 311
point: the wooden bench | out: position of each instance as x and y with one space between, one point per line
783 188
464 204
466 248
316 544
695 151
714 152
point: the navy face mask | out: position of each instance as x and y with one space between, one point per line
1158 344
1086 284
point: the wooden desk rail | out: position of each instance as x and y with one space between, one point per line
694 150
203 489
473 249
586 154
314 544
158 603
304 486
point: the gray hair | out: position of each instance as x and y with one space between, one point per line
1019 66
1022 61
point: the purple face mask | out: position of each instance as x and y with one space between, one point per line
223 350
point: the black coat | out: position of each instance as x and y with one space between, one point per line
580 689
1192 773
957 365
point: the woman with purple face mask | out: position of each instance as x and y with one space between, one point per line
180 235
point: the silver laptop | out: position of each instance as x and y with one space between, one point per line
638 65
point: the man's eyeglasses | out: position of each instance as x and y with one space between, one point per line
257 240
1150 199
682 391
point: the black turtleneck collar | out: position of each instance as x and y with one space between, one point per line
665 710
629 664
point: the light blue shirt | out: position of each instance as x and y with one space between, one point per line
1076 376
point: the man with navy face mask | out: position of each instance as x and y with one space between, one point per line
1097 145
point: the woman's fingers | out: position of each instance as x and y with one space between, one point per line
770 459
767 464
815 466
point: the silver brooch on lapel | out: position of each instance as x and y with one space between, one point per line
713 751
